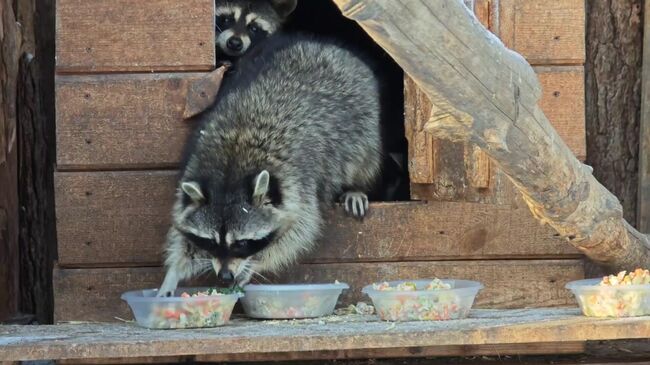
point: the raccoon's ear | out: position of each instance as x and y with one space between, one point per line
261 186
193 190
284 8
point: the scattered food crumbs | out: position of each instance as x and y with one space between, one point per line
359 308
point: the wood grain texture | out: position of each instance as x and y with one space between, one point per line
544 32
134 35
121 219
10 44
121 121
489 95
613 96
202 93
94 294
563 102
450 171
341 355
543 286
643 201
485 327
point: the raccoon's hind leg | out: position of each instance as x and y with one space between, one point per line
355 203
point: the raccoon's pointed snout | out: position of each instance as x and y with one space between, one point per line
225 278
235 44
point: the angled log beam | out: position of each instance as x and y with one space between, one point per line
488 95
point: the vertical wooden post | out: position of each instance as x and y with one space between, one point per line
10 41
643 203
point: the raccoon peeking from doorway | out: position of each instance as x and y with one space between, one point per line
242 24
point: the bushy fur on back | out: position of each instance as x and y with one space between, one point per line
306 111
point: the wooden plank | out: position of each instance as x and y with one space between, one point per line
405 352
543 285
643 201
138 204
563 101
375 353
485 327
544 32
134 35
120 121
94 294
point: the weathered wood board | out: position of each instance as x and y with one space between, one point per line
544 32
121 121
484 327
563 102
100 214
94 294
134 35
555 348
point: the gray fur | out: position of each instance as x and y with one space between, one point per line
309 115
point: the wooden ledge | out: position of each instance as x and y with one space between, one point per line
494 327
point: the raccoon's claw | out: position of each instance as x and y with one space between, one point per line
356 204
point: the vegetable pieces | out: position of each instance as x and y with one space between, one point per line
210 308
622 295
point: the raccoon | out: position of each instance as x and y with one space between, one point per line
295 128
241 24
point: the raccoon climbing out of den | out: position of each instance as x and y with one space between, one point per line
242 24
295 129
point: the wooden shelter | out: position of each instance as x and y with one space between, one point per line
124 69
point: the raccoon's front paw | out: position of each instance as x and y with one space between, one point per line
356 204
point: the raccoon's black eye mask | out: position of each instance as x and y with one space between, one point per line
240 249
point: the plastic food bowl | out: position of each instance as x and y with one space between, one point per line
424 305
179 312
291 301
611 301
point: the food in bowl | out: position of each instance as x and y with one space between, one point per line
187 308
621 295
423 300
291 301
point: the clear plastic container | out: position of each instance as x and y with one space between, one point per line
178 312
611 301
424 305
291 301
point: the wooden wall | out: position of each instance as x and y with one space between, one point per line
119 96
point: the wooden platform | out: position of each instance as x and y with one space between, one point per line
340 333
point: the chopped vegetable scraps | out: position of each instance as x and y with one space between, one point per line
637 277
435 284
208 308
417 304
614 296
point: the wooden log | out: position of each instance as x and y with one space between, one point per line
134 35
485 327
121 218
643 201
444 170
94 294
10 44
489 96
119 121
613 97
